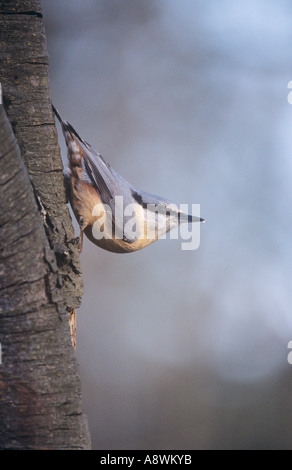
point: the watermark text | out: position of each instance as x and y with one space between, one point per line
149 222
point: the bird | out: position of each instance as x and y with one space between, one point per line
111 212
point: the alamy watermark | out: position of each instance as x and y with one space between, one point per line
148 222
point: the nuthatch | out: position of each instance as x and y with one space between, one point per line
103 201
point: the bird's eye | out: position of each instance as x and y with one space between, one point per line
170 212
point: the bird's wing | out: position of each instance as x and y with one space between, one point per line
100 174
109 185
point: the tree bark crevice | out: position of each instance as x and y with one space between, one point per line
40 390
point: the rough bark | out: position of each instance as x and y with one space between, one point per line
24 69
40 392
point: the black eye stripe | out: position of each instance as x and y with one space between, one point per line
159 207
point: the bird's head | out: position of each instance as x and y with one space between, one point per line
166 215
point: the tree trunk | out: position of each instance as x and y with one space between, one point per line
40 391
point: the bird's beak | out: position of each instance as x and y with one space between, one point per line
189 218
194 218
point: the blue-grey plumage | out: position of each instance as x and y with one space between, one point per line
104 202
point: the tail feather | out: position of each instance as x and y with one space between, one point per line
57 114
66 126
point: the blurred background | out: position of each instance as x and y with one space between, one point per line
187 99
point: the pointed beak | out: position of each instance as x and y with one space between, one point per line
189 218
193 218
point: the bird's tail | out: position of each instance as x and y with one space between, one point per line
66 126
56 112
